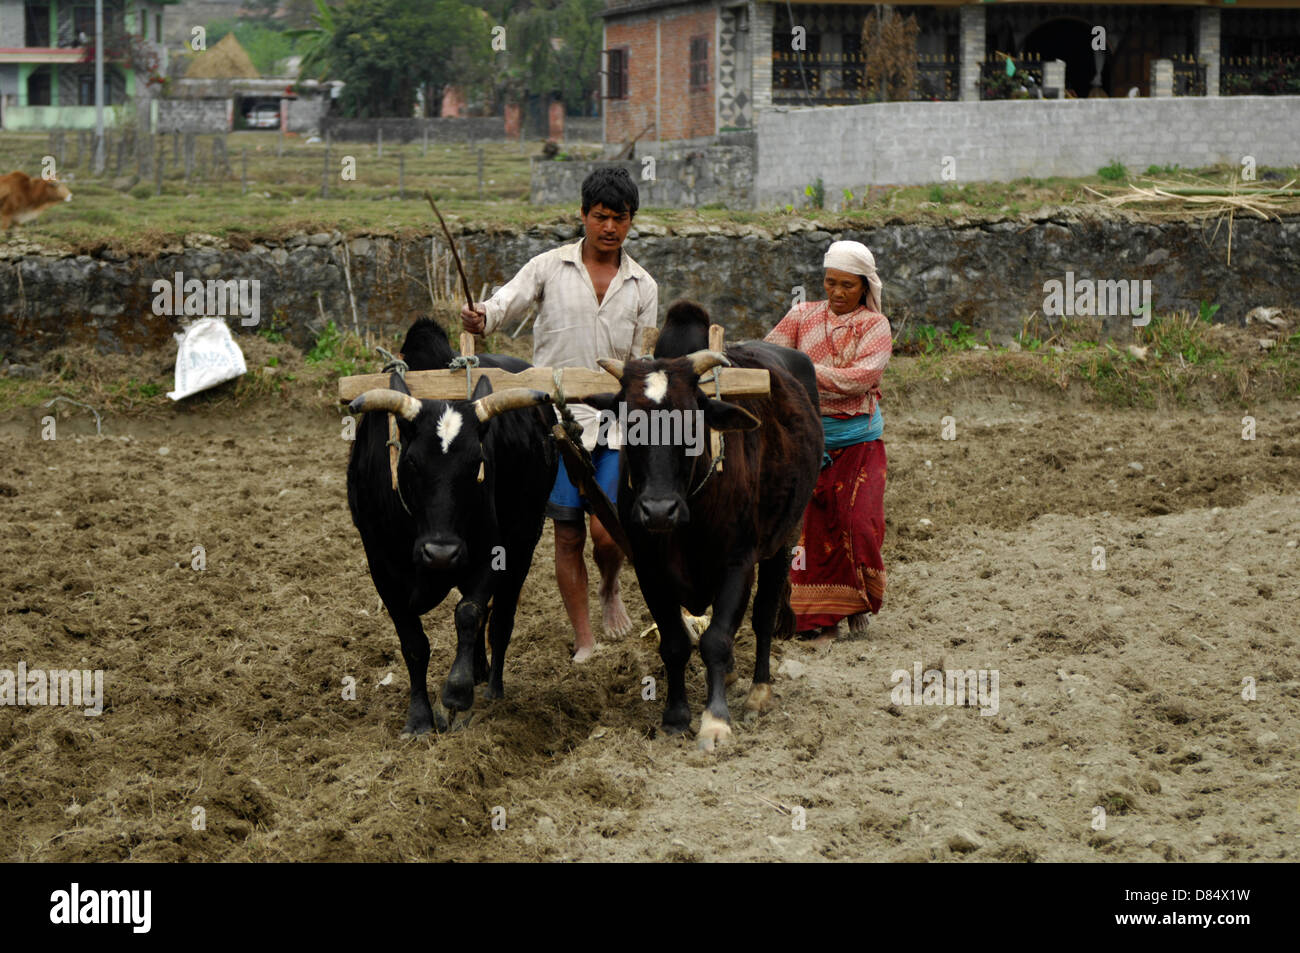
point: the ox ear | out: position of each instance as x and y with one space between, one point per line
482 388
720 415
602 401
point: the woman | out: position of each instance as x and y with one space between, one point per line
841 573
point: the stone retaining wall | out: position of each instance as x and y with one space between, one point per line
988 275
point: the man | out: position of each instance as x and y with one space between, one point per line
595 302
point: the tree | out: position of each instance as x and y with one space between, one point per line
889 47
556 47
385 50
313 42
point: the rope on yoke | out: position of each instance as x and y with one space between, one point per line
468 362
394 366
716 463
392 363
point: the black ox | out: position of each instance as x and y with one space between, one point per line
698 537
473 478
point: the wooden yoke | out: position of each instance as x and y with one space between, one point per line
716 333
578 382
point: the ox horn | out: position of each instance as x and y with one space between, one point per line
702 361
485 408
381 398
612 367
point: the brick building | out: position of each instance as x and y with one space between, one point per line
691 69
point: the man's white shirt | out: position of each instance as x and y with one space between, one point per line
573 329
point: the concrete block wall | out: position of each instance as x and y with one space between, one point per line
192 115
686 174
904 143
13 26
305 115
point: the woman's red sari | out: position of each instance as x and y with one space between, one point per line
841 573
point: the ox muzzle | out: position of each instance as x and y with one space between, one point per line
660 514
441 552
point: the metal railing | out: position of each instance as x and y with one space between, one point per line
836 79
1259 76
1189 76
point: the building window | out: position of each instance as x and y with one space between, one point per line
38 24
157 28
38 87
86 89
83 24
616 73
699 62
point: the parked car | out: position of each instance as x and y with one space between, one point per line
263 117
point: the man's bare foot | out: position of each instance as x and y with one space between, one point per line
858 623
614 613
583 652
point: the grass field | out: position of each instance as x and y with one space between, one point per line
284 184
1179 360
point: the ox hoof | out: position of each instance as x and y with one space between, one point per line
713 731
492 694
759 697
677 719
458 696
422 724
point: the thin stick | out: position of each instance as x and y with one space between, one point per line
464 282
347 274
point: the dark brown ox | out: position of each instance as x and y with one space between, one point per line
697 536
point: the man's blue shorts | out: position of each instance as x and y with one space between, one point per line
566 503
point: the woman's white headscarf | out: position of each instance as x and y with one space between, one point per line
856 258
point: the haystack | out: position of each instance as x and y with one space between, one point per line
226 60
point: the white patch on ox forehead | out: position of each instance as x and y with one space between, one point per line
656 385
449 425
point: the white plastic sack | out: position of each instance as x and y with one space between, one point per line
207 356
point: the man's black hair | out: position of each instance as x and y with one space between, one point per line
611 187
